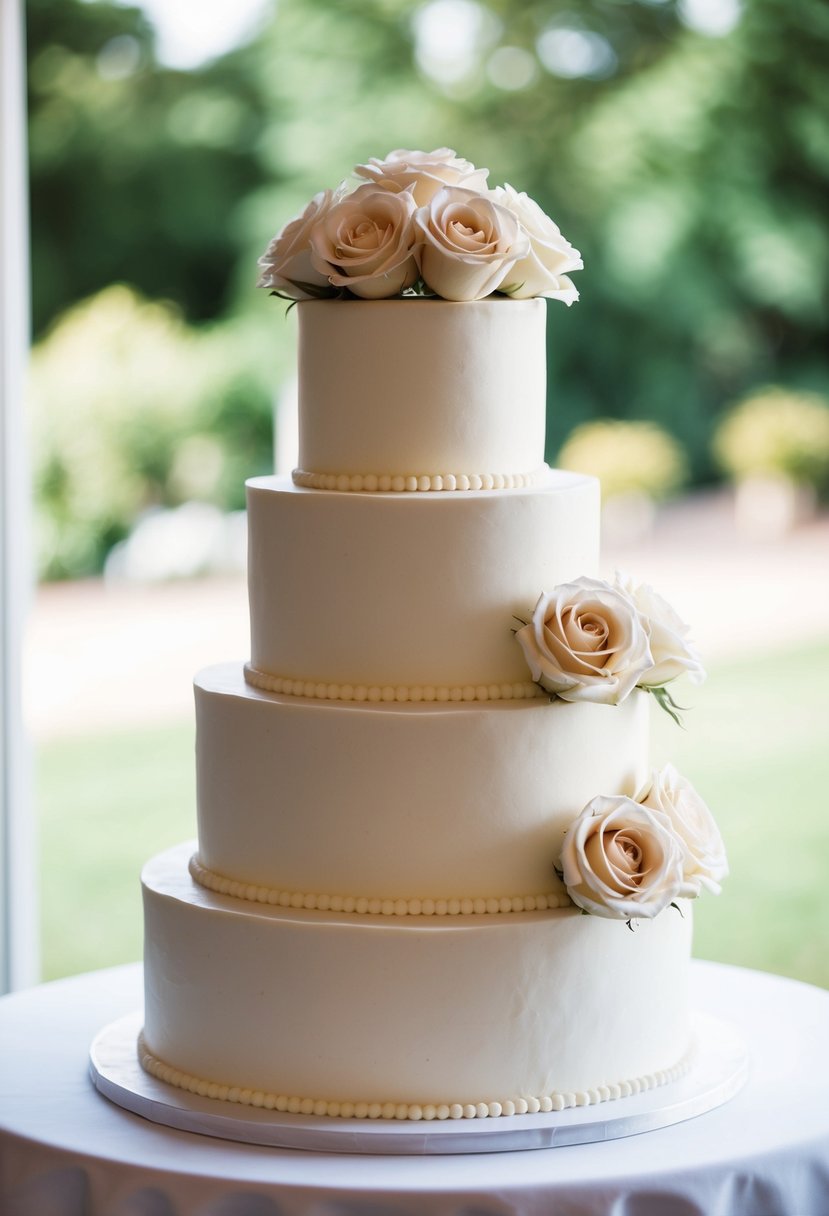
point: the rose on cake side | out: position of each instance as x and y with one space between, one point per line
705 863
624 858
673 655
586 642
591 640
621 860
420 224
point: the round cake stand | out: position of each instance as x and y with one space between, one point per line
719 1070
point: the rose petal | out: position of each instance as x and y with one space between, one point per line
621 859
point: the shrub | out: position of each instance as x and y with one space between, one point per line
627 457
776 432
131 409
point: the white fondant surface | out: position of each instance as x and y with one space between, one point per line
412 776
400 589
717 1070
421 387
401 801
433 1010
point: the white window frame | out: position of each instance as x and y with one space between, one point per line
19 955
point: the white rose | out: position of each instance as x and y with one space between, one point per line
585 642
705 863
424 172
466 244
672 655
621 860
286 263
365 243
544 270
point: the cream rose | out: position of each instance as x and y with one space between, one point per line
621 860
672 654
425 173
544 270
585 642
286 263
365 242
466 244
704 863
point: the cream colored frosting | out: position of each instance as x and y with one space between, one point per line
408 589
362 905
401 801
465 1010
265 1099
421 386
385 777
370 483
522 690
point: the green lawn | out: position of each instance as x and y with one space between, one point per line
755 746
107 802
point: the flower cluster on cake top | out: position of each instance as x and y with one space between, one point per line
421 223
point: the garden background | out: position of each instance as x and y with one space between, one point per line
682 147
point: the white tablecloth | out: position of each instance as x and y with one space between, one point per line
67 1151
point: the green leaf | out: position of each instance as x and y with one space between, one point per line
665 701
313 290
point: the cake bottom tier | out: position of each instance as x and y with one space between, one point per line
338 1014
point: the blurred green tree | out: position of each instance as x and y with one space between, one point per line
702 183
689 165
138 173
132 409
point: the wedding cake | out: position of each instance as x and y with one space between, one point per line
435 876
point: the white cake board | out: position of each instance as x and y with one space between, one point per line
719 1071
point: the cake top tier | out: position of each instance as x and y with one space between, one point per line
422 334
421 395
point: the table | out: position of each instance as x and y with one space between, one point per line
66 1151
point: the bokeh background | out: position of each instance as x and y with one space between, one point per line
681 145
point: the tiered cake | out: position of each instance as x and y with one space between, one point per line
375 920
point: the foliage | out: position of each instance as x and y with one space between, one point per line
138 173
132 408
690 169
627 457
775 432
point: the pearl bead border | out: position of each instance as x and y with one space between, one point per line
291 1104
363 905
413 483
523 690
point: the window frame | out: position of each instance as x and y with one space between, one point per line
19 953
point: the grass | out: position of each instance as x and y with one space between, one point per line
755 748
107 802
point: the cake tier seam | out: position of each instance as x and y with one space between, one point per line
364 905
521 690
412 483
557 1100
